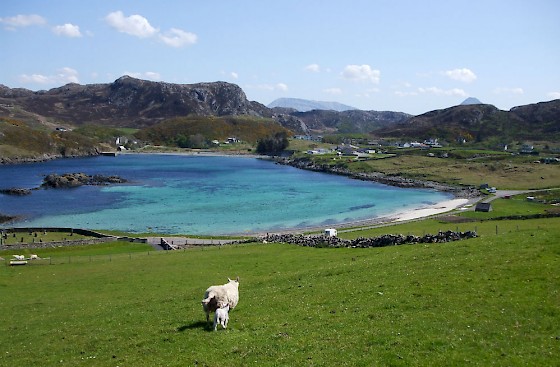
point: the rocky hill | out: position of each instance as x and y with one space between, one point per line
482 122
129 102
355 121
304 105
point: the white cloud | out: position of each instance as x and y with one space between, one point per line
508 91
463 75
269 87
67 30
138 26
333 91
361 73
63 76
314 68
134 25
149 75
554 95
443 92
178 38
21 20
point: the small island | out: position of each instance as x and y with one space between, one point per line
69 180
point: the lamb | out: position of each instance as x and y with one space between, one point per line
221 317
220 296
19 257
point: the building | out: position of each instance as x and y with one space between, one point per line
483 207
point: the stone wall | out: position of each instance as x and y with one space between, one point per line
362 242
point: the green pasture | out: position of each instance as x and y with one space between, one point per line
493 300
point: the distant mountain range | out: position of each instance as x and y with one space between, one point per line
304 105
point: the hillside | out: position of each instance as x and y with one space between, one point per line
21 142
128 102
195 132
304 105
482 122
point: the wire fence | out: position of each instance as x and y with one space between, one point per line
33 260
482 229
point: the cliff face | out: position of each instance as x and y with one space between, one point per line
133 102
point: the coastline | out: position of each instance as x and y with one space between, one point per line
462 196
465 192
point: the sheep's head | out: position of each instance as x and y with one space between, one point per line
234 282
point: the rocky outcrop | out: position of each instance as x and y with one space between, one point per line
15 191
69 180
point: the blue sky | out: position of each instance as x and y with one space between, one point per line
410 56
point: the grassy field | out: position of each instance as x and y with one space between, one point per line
493 300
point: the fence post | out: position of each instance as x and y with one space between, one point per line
496 229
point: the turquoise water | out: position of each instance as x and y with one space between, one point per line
179 194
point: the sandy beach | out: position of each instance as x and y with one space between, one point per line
438 208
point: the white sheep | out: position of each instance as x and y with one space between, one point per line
33 257
19 257
219 296
221 317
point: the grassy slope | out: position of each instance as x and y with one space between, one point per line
246 128
491 300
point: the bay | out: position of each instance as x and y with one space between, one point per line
200 195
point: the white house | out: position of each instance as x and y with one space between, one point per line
331 232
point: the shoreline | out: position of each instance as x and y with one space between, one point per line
386 220
462 196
